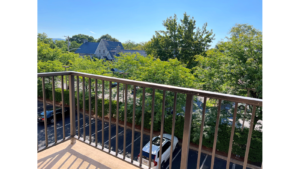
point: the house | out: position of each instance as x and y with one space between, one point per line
104 49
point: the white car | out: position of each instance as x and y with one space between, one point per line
166 148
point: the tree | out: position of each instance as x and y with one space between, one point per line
131 45
42 37
80 37
181 40
107 37
235 66
62 44
171 72
45 52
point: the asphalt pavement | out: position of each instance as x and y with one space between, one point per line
192 161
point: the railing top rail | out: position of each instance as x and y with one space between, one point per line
197 92
54 74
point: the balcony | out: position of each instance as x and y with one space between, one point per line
111 138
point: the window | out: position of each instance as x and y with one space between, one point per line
103 51
156 141
165 147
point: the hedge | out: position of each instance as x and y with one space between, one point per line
48 93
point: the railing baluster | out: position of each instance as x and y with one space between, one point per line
186 131
173 130
109 122
216 135
102 118
45 113
245 111
201 133
232 135
54 109
162 128
72 108
133 122
151 131
125 122
96 112
249 137
83 104
63 107
117 121
142 126
78 116
90 113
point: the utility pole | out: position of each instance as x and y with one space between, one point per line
68 42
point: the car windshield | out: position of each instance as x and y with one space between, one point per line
156 141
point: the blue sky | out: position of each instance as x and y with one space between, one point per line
138 20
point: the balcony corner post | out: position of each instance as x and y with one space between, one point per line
186 131
72 108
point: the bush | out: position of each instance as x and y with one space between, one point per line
239 144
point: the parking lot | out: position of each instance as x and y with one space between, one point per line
192 161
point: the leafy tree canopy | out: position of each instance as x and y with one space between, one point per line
131 45
181 40
235 66
80 37
108 37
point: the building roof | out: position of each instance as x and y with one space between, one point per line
112 45
88 48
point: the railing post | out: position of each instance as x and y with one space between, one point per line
186 131
72 108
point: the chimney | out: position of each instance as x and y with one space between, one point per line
85 40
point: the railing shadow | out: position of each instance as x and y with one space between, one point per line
54 159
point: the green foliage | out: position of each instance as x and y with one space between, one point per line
231 67
58 98
80 37
179 125
235 65
171 72
107 37
130 45
42 38
181 40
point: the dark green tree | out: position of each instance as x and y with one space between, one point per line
80 37
235 66
108 37
181 40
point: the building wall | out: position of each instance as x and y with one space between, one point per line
99 51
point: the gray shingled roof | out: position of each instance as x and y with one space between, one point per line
112 45
88 48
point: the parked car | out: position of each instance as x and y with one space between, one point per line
49 114
114 84
165 154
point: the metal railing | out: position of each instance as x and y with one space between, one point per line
190 93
